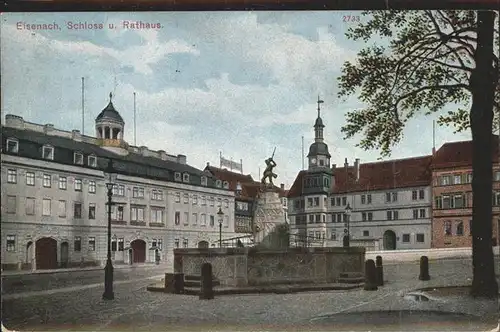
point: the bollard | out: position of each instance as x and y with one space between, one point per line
207 290
370 276
424 269
379 271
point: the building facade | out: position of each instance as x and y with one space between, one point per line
390 201
54 211
452 191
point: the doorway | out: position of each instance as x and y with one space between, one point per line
138 251
46 253
64 254
389 240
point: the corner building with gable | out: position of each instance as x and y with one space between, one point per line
54 193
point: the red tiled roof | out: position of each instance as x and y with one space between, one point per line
401 173
459 154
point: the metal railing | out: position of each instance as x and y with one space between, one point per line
235 242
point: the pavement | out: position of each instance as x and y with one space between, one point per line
136 309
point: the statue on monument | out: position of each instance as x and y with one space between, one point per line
268 172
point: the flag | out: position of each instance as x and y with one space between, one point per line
230 164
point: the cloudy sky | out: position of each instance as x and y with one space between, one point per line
241 83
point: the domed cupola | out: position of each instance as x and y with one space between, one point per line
109 126
318 151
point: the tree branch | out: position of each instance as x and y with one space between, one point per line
433 87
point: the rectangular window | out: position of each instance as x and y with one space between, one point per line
46 207
470 227
186 218
204 181
338 201
176 243
157 216
420 238
422 213
12 176
113 245
77 210
316 201
219 202
226 203
195 199
92 187
438 203
332 202
195 218
177 197
62 209
469 178
309 202
185 243
92 161
458 201
63 182
421 194
457 179
136 213
48 153
344 201
117 212
369 199
47 181
392 215
318 218
363 216
203 200
12 146
460 228
78 184
212 221
91 211
363 199
212 201
30 206
414 195
370 216
178 176
138 192
311 218
11 243
78 158
11 204
497 176
366 233
415 214
177 218
77 244
447 228
394 197
446 202
406 238
30 178
186 198
203 221
91 243
120 244
226 221
387 197
444 180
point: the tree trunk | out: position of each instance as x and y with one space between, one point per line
483 81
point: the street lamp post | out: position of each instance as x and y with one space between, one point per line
347 233
221 215
110 176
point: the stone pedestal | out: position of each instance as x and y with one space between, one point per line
269 221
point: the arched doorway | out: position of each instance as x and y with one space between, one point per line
389 240
29 255
64 254
203 245
138 251
46 253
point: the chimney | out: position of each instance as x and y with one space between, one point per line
76 135
14 121
48 128
181 159
334 166
282 186
143 150
162 154
346 164
356 167
433 151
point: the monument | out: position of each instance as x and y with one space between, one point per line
270 227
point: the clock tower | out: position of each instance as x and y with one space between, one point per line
318 178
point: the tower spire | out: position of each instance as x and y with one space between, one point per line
319 102
110 96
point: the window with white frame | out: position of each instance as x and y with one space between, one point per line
77 244
186 218
92 161
30 206
457 179
159 244
12 176
444 180
62 209
48 152
77 210
194 218
78 184
30 178
11 204
185 177
414 195
185 243
177 218
415 213
157 195
78 158
422 214
212 221
121 247
137 213
117 212
11 243
203 220
212 201
178 176
203 200
12 145
63 182
392 215
195 199
447 228
46 207
218 183
176 243
157 215
421 194
204 181
118 190
420 237
92 187
406 238
177 197
186 198
91 243
47 180
138 192
219 202
226 221
225 184
91 210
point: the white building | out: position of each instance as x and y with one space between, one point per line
54 194
390 201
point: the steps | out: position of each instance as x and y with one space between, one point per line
192 284
351 278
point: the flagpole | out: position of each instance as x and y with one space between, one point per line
220 158
135 127
241 166
302 152
83 106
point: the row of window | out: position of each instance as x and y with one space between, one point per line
203 200
318 235
458 228
202 219
463 178
365 216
